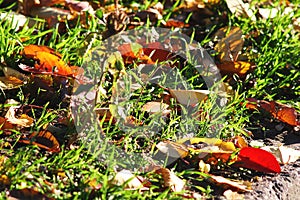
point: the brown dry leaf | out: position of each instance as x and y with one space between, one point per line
44 140
229 45
8 83
171 180
156 107
240 68
26 193
240 142
52 15
230 195
5 124
127 178
227 183
173 149
240 9
9 72
23 121
18 20
79 6
279 111
192 5
45 2
4 180
284 155
12 78
189 97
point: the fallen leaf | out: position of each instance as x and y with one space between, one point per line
227 183
279 111
203 167
173 149
12 78
268 12
8 83
192 5
43 139
127 178
211 150
175 23
23 121
18 20
26 193
283 154
5 124
225 146
48 62
257 159
52 15
230 195
189 97
4 180
240 142
240 9
230 45
156 107
134 52
240 68
79 6
30 51
171 180
47 2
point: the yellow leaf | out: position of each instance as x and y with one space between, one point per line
203 167
189 97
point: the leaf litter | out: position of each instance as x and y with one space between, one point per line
208 154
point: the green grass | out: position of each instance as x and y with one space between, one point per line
68 174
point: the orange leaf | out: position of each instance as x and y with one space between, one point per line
240 142
48 62
238 67
5 124
30 51
175 23
44 140
257 159
27 193
279 111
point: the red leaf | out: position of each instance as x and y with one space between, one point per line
129 56
257 159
